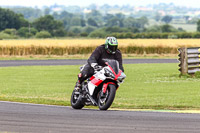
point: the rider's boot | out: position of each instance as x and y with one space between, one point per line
77 86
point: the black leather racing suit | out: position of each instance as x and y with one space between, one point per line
97 56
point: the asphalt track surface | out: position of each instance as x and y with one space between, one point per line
16 117
7 63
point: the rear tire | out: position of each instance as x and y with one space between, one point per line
104 104
76 100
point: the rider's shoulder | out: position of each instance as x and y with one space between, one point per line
101 47
118 51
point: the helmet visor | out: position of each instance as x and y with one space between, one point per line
112 48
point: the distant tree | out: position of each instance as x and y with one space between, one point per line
9 20
107 17
142 22
154 28
167 28
56 15
157 17
92 22
47 11
84 34
113 22
116 29
66 18
198 26
77 21
139 23
63 15
28 13
96 15
26 32
83 23
180 29
98 34
75 29
43 34
12 32
129 22
23 21
6 36
48 23
167 19
120 16
66 23
89 29
66 14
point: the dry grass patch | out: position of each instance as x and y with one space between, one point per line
86 46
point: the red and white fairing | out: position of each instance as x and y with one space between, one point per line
99 77
96 80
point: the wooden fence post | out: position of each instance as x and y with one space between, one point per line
183 61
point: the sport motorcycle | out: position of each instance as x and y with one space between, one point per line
100 89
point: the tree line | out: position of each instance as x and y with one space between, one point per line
93 24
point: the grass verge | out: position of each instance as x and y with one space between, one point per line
86 56
148 86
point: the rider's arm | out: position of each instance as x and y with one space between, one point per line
94 57
119 59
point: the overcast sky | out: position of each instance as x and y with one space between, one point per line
39 3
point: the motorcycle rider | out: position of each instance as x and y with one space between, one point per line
106 51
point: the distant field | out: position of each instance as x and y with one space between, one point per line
187 27
176 24
149 86
86 46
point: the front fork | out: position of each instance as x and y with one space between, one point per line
105 86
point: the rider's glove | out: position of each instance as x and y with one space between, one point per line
96 67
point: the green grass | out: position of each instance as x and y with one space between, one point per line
149 86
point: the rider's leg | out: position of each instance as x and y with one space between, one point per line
83 75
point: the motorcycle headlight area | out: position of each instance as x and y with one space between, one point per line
121 77
109 73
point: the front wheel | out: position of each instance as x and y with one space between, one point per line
76 100
105 101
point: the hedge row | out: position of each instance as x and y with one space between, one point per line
178 35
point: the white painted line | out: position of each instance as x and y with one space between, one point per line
116 109
164 111
32 104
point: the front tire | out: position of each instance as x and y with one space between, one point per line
105 102
76 100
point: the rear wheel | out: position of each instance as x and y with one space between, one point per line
105 101
76 100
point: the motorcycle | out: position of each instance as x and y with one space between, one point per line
100 89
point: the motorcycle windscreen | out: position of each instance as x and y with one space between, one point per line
114 64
